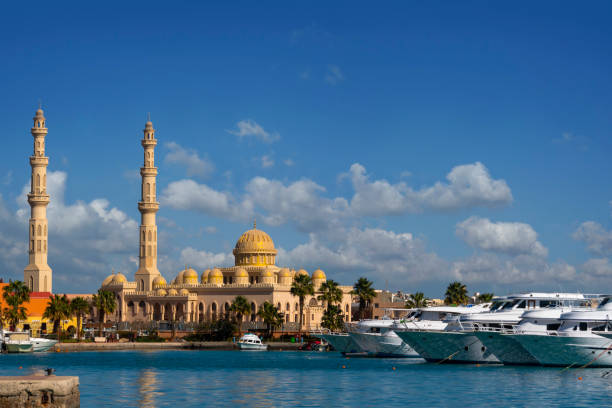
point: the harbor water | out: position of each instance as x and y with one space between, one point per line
181 378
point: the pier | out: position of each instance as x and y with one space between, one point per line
39 391
205 345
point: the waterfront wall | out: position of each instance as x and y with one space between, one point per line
39 391
206 345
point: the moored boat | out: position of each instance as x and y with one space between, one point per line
251 342
18 342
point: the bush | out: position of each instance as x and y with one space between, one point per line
217 330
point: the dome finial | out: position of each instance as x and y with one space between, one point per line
254 223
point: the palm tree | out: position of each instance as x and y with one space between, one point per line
330 293
14 314
301 287
57 310
78 307
456 293
416 300
15 294
333 319
241 307
105 302
271 316
485 297
364 291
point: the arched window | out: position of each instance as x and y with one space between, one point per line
253 311
144 236
31 283
288 307
142 307
33 233
45 182
297 306
39 230
278 306
150 236
346 308
38 181
45 287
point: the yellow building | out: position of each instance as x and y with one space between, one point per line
194 297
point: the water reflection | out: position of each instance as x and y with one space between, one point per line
148 388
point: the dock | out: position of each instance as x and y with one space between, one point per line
39 391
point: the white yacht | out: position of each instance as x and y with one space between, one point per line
251 342
499 338
341 342
377 338
424 330
584 339
38 344
458 343
18 342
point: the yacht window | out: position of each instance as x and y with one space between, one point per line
510 305
583 326
604 301
548 303
521 305
600 328
496 305
553 326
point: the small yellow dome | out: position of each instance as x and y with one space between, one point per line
285 273
318 274
267 272
184 292
241 273
172 292
215 273
159 282
108 279
179 278
302 272
119 278
204 278
190 277
161 292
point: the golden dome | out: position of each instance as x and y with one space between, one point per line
318 274
215 277
204 278
159 282
190 276
254 247
161 292
285 273
301 272
183 292
108 279
179 278
172 292
241 273
119 278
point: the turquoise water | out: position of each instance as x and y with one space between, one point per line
179 378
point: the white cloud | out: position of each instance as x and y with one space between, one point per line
288 162
204 259
189 158
189 195
250 128
597 238
333 75
526 271
7 179
267 161
513 238
299 202
380 254
598 268
469 185
211 229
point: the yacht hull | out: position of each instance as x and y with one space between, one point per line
595 351
384 345
19 347
42 344
343 343
506 348
448 347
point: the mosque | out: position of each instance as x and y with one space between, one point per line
188 297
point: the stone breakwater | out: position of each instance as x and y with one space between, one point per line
208 345
39 391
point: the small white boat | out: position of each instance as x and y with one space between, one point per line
18 342
40 344
250 341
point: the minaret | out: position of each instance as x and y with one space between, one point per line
148 206
37 275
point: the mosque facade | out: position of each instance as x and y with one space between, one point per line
193 297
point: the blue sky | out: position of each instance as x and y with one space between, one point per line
336 126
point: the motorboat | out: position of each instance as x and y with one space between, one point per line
583 339
39 344
18 342
425 331
458 343
376 338
251 342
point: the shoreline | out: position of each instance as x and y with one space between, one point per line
188 345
